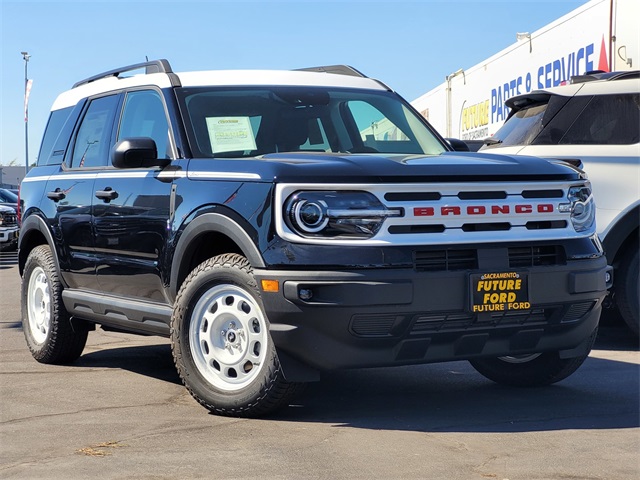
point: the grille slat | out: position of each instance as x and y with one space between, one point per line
536 256
455 321
466 259
445 260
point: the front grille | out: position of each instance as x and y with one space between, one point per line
451 212
445 260
536 256
9 219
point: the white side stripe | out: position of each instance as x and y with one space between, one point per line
163 174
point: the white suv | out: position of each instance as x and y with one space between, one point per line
594 122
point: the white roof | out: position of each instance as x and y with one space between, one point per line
216 78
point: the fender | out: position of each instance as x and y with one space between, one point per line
30 225
205 223
616 237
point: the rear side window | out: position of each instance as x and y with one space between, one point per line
56 121
93 140
605 120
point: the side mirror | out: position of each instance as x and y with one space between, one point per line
458 145
137 152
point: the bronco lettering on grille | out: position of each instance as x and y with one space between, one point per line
482 210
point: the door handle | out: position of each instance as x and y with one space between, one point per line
56 195
107 194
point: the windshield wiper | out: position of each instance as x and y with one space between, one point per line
491 141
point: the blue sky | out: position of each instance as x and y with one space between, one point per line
410 45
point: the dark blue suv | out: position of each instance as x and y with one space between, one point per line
276 224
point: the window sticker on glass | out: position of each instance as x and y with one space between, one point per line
228 134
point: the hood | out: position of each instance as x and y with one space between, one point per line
7 208
392 168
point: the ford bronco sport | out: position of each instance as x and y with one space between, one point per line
276 224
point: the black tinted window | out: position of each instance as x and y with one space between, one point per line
606 120
92 144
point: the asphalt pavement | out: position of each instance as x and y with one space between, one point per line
120 412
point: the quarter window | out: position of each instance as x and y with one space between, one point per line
606 120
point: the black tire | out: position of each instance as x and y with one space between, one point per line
628 288
533 370
221 343
45 322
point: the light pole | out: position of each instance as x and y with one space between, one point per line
26 57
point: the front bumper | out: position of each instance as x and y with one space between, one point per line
9 235
385 317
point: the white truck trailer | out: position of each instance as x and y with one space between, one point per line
600 35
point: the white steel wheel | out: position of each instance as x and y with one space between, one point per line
46 324
39 305
520 358
228 337
221 343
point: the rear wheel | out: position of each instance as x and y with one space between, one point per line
531 370
46 324
221 343
628 289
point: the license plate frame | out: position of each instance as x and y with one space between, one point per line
500 291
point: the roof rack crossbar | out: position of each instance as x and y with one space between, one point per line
602 75
153 66
337 69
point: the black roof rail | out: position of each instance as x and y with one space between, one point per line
602 75
341 70
337 69
152 66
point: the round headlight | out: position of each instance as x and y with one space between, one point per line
310 216
583 210
336 214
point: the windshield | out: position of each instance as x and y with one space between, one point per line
7 196
254 121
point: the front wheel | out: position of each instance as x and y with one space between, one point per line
628 289
531 370
45 322
221 343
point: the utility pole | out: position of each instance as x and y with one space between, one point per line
27 89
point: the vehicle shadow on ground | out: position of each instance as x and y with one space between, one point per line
452 397
154 361
447 397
